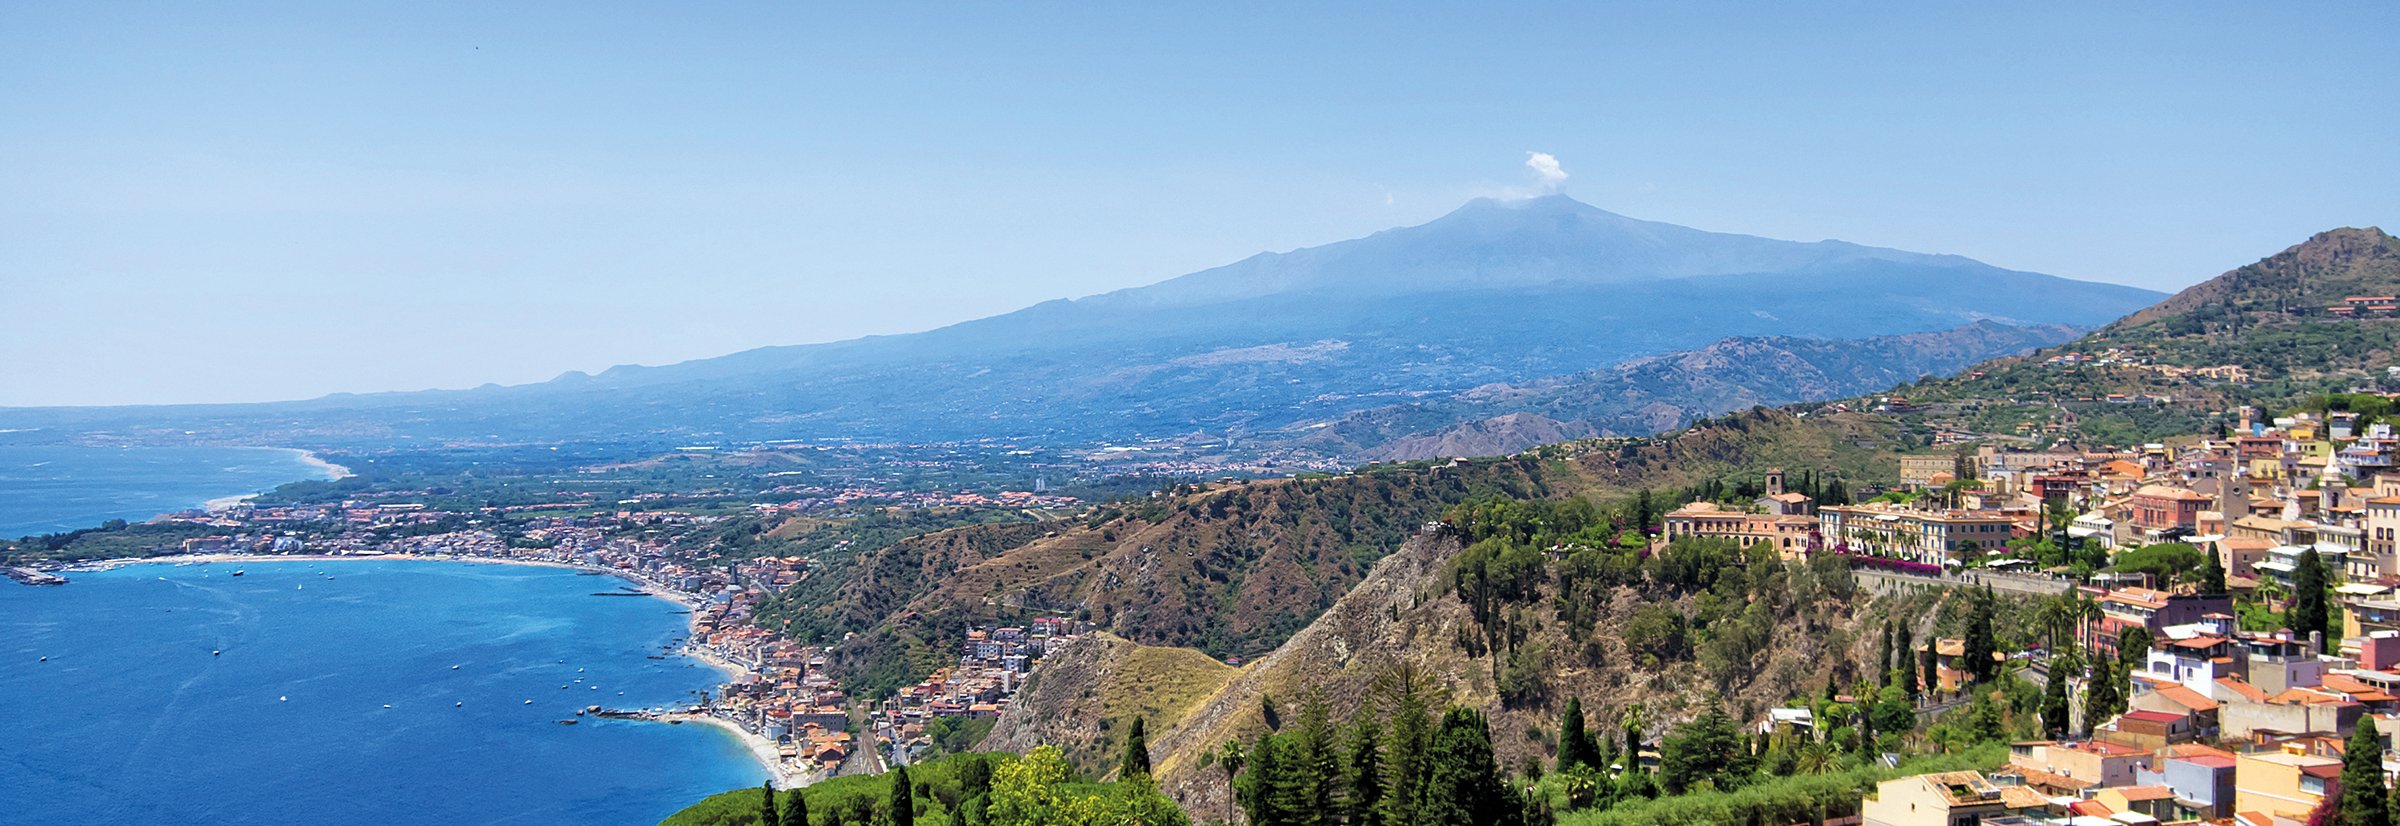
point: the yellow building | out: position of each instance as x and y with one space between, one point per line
1787 534
1946 799
2287 782
1919 470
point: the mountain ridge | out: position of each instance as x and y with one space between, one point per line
1492 293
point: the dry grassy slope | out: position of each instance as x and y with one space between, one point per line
1086 695
1238 569
1402 614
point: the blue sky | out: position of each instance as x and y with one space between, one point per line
223 202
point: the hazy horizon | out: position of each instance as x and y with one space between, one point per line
266 202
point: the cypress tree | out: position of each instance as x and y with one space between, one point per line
1575 744
767 816
1980 645
2212 578
2054 707
1928 670
2363 801
1366 774
904 798
1463 786
2100 697
2309 598
1883 664
1908 663
795 808
1137 752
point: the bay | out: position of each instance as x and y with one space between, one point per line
136 717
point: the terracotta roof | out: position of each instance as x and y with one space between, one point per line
2167 492
2146 792
2184 696
2037 777
2252 693
2189 751
2305 697
2016 798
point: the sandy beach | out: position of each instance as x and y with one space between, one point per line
332 472
760 746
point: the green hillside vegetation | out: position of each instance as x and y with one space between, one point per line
1235 569
2269 319
982 789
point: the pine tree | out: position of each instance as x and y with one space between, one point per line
1263 794
1463 785
767 815
1366 774
904 798
1137 752
795 808
1317 768
2212 578
1412 734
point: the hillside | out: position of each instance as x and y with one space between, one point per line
2261 334
1661 393
1236 569
1495 292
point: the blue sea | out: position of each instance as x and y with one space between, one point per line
53 488
134 719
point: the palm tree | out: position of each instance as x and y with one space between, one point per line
1231 759
1814 758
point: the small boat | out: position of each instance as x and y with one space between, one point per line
284 699
529 702
45 659
387 705
454 668
217 653
237 572
458 705
566 722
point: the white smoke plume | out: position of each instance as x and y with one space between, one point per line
1548 175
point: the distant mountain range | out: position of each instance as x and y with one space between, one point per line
1661 393
1497 292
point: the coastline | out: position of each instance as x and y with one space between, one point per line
761 749
332 472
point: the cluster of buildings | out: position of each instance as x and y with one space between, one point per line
2223 727
991 668
2258 498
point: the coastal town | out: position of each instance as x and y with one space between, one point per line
780 696
2231 714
